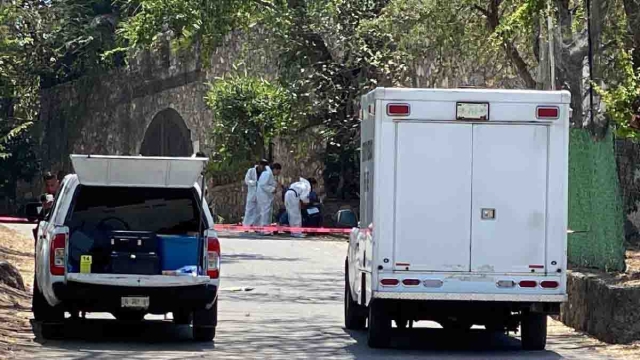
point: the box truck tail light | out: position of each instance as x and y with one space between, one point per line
549 284
398 109
410 282
548 112
528 283
389 282
213 258
56 254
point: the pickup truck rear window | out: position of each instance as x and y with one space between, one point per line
165 211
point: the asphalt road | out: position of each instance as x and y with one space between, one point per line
282 299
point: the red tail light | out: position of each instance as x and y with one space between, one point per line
56 254
411 282
213 258
549 284
398 110
548 112
389 282
528 283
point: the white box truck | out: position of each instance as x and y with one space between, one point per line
463 211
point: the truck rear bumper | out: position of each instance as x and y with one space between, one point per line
108 298
528 298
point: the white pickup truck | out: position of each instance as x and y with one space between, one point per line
463 211
130 236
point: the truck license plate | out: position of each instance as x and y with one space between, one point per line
135 302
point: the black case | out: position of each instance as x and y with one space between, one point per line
134 241
135 264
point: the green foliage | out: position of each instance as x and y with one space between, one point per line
20 162
595 204
519 19
42 44
202 22
247 114
622 99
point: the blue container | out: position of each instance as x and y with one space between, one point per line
177 251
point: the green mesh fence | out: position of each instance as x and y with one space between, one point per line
595 204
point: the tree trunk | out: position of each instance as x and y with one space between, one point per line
572 51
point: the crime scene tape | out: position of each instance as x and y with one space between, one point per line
275 228
15 220
223 227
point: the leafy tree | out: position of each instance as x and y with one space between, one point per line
192 22
44 43
248 113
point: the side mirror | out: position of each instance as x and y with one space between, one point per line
33 211
346 218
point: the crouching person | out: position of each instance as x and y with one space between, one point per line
297 193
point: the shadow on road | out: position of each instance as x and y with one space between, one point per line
438 343
277 338
109 330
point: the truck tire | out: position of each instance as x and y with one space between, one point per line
534 331
129 316
355 317
51 318
379 325
181 317
402 323
456 325
204 323
42 311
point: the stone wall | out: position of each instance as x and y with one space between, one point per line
109 114
604 309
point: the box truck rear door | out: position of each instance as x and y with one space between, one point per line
509 198
433 196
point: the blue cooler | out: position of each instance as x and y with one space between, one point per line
177 251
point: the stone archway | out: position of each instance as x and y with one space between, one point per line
167 135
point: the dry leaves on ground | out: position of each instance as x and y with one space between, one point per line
15 305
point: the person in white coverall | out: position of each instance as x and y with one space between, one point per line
297 192
251 207
267 187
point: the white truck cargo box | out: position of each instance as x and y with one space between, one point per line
463 197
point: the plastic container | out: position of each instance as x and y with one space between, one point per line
177 251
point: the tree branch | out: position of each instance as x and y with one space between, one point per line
482 10
520 64
493 21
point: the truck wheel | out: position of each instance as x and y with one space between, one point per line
401 323
355 317
49 317
534 331
379 325
42 311
204 323
129 316
182 317
496 328
456 325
